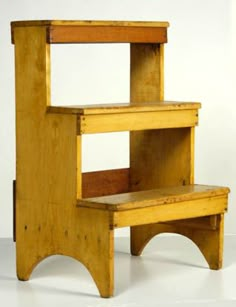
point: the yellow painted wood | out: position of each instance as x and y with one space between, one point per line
38 72
161 74
162 213
157 197
49 175
51 216
146 73
31 23
78 166
131 122
204 222
162 157
94 247
116 108
209 241
156 154
184 174
45 182
58 31
191 134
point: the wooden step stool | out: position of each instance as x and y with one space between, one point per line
59 209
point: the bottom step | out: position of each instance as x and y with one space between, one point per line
155 197
161 205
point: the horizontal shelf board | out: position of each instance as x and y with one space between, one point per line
102 123
206 222
31 23
124 107
166 213
101 34
157 197
59 31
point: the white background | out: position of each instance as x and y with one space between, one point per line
200 65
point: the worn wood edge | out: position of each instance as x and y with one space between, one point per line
70 35
80 23
110 23
164 201
124 107
117 208
158 214
105 182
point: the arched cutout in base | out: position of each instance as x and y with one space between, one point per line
208 238
91 242
94 271
100 273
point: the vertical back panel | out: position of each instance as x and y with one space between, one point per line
161 157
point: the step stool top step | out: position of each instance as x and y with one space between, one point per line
125 107
82 31
90 23
161 196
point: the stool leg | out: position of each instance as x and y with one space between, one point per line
209 241
96 247
25 263
32 240
89 239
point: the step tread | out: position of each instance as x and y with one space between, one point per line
116 108
161 196
90 23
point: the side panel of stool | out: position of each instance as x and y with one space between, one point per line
164 157
208 239
48 175
45 154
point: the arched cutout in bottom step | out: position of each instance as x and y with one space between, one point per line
209 241
34 262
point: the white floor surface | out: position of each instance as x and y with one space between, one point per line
170 272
